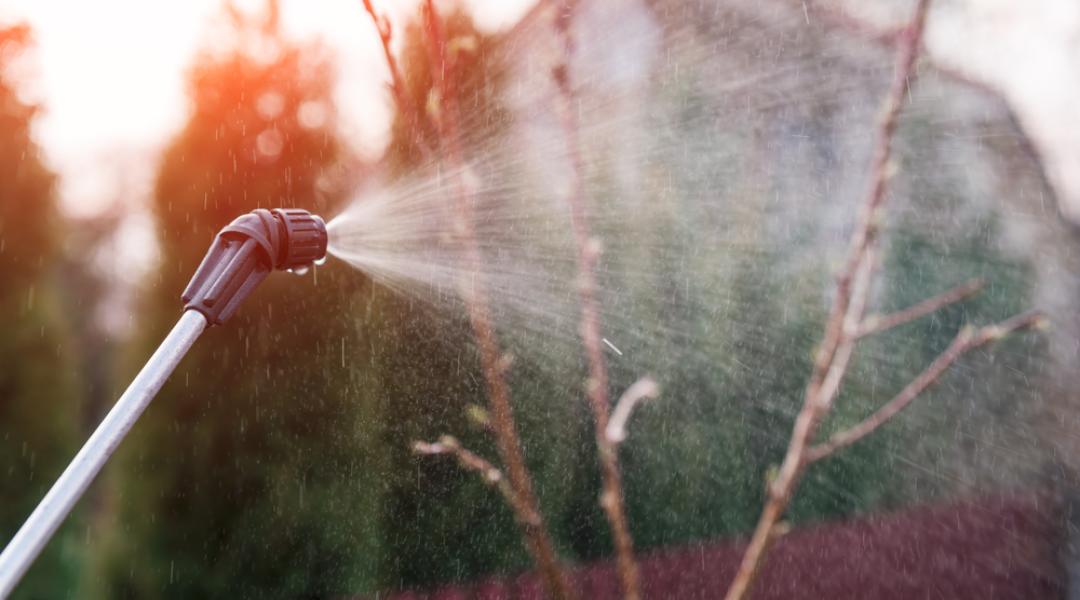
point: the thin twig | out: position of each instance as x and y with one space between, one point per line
878 323
841 328
588 253
642 390
404 102
474 292
968 339
470 461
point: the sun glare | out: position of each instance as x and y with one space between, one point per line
110 77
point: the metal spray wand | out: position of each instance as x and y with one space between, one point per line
241 257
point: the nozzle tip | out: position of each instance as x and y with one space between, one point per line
245 252
305 238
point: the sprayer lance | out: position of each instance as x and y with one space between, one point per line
241 257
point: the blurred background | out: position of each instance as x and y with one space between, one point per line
726 145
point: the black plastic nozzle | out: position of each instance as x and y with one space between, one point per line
245 252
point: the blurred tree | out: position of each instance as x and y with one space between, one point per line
731 293
475 74
39 400
255 472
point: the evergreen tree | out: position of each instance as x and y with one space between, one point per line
253 474
39 402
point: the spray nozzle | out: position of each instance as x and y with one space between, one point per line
245 252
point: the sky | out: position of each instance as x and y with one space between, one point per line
109 75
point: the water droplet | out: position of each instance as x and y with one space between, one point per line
322 261
300 270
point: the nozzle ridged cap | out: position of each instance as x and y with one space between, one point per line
305 236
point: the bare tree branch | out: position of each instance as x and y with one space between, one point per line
643 389
402 99
470 461
968 339
588 253
878 323
845 317
475 295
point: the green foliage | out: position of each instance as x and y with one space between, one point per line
473 76
255 471
448 526
732 294
39 402
277 462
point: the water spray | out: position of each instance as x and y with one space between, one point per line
242 256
